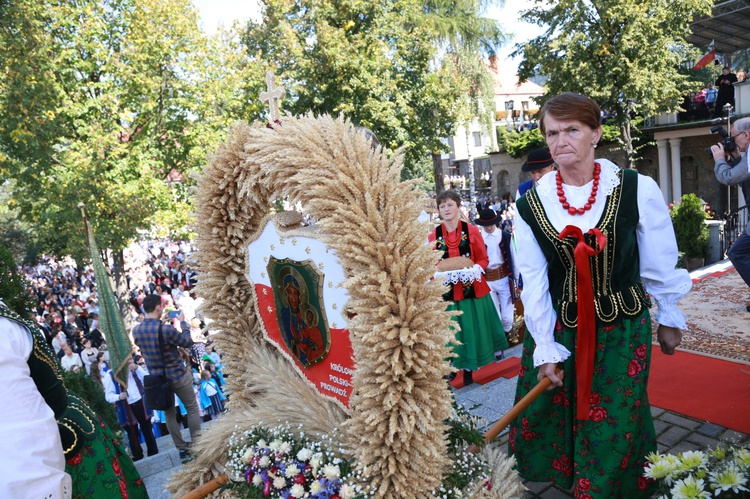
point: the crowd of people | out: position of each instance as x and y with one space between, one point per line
67 311
710 100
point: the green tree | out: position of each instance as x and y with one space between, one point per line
14 291
378 63
624 55
113 103
465 36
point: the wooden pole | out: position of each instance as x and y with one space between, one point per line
207 488
516 410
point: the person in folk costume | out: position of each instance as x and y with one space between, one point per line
499 271
95 463
210 396
131 410
538 164
464 259
593 242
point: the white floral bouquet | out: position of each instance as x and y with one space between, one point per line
277 462
722 472
283 462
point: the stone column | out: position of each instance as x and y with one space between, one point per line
674 144
664 170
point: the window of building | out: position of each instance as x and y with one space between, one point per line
477 138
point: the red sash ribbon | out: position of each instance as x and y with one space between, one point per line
586 344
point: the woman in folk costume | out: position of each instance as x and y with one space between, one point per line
464 259
95 461
593 242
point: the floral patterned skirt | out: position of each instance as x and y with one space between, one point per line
104 470
605 455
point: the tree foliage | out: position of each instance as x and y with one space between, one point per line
624 55
113 103
14 291
377 63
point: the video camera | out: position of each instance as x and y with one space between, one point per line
728 142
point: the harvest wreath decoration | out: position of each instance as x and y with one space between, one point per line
394 431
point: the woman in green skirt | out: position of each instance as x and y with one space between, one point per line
594 241
480 331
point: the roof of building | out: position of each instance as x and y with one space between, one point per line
728 26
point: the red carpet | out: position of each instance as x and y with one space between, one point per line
507 368
701 387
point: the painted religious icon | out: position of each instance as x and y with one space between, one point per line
298 295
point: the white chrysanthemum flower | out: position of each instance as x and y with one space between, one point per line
315 487
689 488
331 471
693 459
264 462
346 492
285 447
257 480
292 471
275 445
247 456
316 462
743 456
297 490
279 482
729 479
661 469
304 454
261 444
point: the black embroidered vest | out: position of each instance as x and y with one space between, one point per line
75 420
464 249
617 285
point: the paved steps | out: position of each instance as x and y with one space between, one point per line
157 470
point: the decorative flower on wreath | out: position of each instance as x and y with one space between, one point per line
284 462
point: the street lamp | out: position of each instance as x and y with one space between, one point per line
509 114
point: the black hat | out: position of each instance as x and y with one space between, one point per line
487 217
538 159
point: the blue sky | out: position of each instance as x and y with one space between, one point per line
215 12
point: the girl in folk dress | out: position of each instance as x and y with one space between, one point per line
464 259
211 398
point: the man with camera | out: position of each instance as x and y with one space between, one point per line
169 361
739 174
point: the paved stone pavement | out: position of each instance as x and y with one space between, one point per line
675 433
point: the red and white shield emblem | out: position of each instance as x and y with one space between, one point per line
297 282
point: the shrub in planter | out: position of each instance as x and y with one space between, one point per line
689 220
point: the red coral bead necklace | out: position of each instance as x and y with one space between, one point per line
452 238
592 197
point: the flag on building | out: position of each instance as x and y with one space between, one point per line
110 319
707 58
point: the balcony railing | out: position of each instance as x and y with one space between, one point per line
734 225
